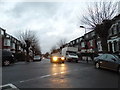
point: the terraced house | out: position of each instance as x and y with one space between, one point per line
114 36
91 42
8 42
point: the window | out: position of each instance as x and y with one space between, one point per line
91 42
110 32
2 32
80 39
73 42
77 41
86 36
6 42
19 48
74 54
82 44
115 29
7 36
99 46
115 46
119 26
13 45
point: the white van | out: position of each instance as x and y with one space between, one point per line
70 54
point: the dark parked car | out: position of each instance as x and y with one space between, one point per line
37 58
108 61
7 58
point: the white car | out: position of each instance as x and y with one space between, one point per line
37 58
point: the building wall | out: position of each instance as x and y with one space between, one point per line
0 42
114 36
90 37
8 42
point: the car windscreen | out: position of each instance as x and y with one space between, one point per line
103 56
74 54
36 56
117 56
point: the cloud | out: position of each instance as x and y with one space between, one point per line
51 20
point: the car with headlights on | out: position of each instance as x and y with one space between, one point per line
108 61
57 58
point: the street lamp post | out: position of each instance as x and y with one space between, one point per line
84 28
85 42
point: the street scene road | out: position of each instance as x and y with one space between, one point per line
59 44
44 74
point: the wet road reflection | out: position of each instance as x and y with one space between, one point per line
58 78
58 68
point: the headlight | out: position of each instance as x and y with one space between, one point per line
62 58
55 58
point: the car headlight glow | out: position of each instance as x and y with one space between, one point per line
62 58
55 58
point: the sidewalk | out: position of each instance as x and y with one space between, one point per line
84 61
22 62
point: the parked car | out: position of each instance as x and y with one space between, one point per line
7 58
37 58
108 61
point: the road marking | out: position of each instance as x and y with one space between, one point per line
45 76
48 75
41 77
9 85
35 78
55 74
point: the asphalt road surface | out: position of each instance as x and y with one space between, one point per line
44 74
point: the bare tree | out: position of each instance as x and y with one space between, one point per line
53 49
30 42
99 19
46 55
36 49
98 12
61 42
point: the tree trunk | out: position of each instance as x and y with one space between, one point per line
27 58
104 45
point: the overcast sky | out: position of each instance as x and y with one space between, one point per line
51 20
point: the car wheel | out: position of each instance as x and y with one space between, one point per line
6 63
97 65
76 61
69 60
